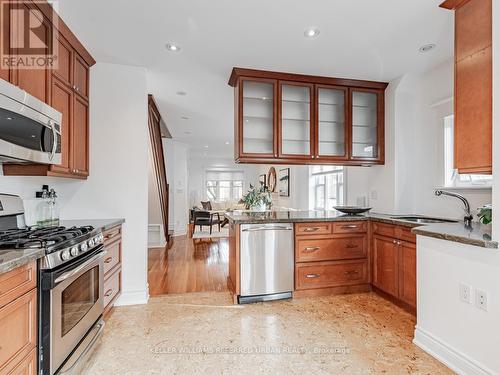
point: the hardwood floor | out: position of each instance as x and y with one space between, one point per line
191 265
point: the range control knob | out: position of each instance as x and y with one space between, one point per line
74 251
65 255
83 247
91 242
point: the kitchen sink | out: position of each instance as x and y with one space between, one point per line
423 219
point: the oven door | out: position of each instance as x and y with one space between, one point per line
77 302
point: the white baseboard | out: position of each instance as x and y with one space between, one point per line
133 297
455 360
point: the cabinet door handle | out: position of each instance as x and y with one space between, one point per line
349 226
108 260
351 246
311 229
312 248
108 292
352 272
312 276
394 242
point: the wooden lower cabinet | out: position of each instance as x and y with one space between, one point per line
385 264
18 321
331 257
112 267
395 263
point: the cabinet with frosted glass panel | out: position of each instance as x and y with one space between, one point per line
296 119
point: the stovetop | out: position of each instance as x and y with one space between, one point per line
50 239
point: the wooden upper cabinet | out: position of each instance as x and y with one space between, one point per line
256 134
332 112
296 119
81 77
62 100
34 81
473 85
80 137
65 55
5 25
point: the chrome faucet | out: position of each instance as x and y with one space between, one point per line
468 216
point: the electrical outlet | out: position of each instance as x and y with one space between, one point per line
465 293
482 299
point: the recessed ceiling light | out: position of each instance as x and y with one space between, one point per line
227 143
173 47
181 93
206 146
185 118
311 32
427 47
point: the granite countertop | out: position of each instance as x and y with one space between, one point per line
13 258
477 235
103 224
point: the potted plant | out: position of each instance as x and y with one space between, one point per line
485 214
257 199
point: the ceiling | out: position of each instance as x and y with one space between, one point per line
361 39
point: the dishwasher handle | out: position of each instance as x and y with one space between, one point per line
259 229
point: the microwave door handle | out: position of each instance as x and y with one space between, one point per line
75 271
54 138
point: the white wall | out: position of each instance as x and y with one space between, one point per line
461 335
176 154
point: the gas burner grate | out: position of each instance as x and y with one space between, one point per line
40 238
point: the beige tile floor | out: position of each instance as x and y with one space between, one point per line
203 333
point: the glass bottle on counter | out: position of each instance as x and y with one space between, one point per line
44 210
54 209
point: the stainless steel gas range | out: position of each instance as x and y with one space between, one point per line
70 287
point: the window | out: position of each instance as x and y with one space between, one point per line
326 187
451 176
224 185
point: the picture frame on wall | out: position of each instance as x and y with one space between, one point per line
262 180
284 182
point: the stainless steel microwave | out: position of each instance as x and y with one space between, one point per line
30 130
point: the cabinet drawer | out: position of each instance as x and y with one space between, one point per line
313 228
405 234
112 234
112 287
18 331
347 247
350 227
331 274
15 283
384 229
113 256
27 366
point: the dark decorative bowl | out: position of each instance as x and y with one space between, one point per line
352 210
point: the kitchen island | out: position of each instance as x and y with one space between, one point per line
337 253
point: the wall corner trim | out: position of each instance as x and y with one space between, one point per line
455 360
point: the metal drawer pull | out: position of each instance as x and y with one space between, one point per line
312 248
312 276
311 229
108 260
108 292
351 272
349 226
351 246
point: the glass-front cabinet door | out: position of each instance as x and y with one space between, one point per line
366 127
258 118
332 114
295 120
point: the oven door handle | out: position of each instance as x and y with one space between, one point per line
78 269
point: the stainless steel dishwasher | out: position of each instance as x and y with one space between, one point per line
266 262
